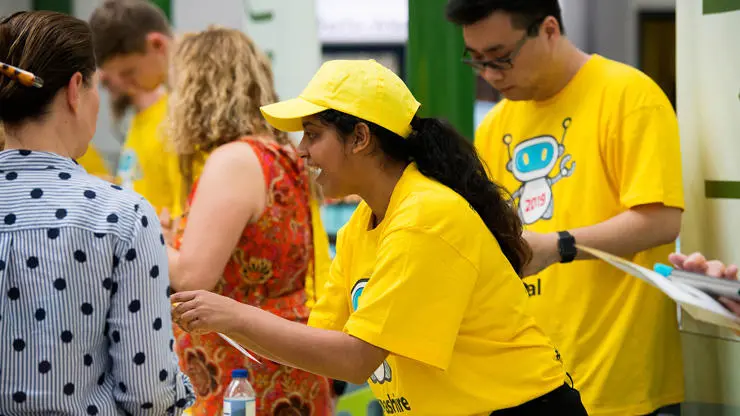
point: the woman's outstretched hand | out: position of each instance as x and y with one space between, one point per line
201 311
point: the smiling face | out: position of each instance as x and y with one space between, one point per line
332 159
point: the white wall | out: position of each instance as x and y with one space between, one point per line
709 118
84 8
291 38
576 22
609 27
11 6
377 21
193 15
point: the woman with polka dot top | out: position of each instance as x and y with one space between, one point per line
85 323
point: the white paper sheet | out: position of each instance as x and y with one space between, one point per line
239 347
696 303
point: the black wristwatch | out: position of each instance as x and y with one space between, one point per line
566 247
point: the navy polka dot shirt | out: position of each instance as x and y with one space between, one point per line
85 324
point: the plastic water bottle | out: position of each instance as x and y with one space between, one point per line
239 399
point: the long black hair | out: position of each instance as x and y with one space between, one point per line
441 153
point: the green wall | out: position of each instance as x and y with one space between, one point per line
443 85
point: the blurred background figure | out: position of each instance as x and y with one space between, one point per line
246 233
131 45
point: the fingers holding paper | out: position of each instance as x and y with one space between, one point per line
201 311
697 263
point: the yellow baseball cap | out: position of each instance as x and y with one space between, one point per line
362 88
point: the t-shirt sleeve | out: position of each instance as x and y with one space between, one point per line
647 157
332 308
483 133
322 260
484 138
416 297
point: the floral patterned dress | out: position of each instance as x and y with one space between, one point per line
267 269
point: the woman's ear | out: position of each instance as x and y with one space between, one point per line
361 138
74 91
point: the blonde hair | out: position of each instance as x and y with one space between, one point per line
221 80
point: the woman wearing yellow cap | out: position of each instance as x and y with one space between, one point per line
424 298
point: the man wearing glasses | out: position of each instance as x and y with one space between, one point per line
589 150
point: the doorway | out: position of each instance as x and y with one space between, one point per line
657 49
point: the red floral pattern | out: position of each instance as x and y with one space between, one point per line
267 269
204 374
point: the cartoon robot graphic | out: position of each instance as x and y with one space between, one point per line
383 373
531 163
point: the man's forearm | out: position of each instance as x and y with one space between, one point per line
631 232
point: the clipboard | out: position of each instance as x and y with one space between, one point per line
698 304
711 285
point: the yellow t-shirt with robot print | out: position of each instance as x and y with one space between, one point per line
147 163
431 285
607 142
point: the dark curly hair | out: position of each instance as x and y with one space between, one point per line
441 153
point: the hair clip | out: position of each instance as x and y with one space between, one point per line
24 77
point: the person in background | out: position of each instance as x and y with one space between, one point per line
423 299
133 43
147 116
589 150
697 263
246 233
83 270
125 33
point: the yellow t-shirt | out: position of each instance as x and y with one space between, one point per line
94 164
322 260
147 164
431 285
608 142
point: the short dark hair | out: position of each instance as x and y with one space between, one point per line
120 27
52 46
524 13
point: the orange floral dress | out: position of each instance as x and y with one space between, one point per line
267 269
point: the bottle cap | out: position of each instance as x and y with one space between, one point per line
239 373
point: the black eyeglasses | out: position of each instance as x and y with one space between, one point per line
506 62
